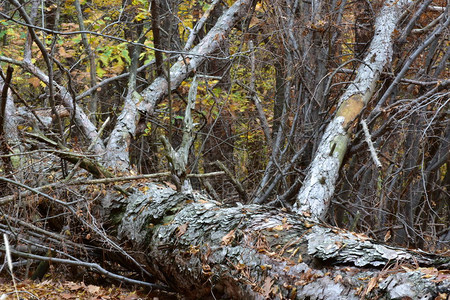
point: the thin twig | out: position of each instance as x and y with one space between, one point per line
92 266
90 226
237 185
373 153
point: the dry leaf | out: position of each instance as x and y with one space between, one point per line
170 185
34 81
267 287
307 224
73 286
407 269
206 269
228 238
372 283
92 289
131 297
182 229
387 236
278 227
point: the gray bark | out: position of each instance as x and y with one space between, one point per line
318 187
10 126
81 119
202 249
117 155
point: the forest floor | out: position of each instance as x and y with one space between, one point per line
58 286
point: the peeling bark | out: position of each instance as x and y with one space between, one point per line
200 248
117 155
81 119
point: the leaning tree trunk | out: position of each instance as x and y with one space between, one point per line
181 70
318 187
202 249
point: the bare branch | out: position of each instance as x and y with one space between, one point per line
93 266
373 153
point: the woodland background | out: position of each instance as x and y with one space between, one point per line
88 98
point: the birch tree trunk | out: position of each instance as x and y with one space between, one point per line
318 186
159 88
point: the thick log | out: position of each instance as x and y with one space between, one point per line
203 249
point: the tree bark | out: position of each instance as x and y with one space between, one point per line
92 105
318 187
204 250
117 155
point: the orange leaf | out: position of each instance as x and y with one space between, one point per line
34 81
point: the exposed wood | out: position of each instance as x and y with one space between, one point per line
372 150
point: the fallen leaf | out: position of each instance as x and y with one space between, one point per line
206 269
372 283
278 228
267 287
73 286
407 269
92 289
182 229
131 297
387 236
228 238
429 272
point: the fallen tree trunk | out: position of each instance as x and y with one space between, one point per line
203 249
